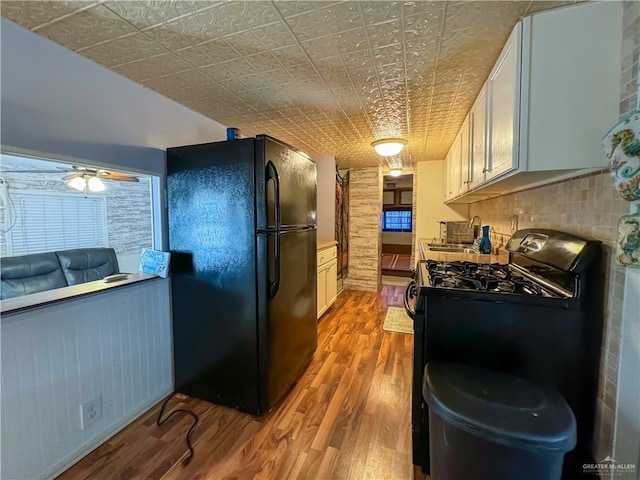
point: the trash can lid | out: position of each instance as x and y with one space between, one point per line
498 407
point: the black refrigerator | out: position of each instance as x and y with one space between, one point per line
242 236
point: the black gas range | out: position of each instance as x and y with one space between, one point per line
538 317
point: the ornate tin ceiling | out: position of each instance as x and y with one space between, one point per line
326 77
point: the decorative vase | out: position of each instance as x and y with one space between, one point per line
622 150
485 242
628 241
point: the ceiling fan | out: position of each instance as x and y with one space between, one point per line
84 178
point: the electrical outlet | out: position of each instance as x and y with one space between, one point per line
90 412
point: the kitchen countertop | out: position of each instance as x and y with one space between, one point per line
326 244
35 300
501 257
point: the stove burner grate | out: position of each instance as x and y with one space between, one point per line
493 277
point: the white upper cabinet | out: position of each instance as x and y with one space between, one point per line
570 85
504 107
456 166
478 124
548 101
448 191
465 153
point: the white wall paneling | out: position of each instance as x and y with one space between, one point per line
116 344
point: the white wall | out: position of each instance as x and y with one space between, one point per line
116 344
627 439
396 238
627 423
57 102
54 101
627 428
326 166
430 207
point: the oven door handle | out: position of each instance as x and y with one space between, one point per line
409 293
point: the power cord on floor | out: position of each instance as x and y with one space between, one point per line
161 422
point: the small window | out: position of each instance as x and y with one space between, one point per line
397 221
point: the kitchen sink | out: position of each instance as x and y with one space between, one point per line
451 248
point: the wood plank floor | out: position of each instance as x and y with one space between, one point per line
347 418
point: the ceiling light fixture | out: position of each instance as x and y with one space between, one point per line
396 172
79 183
95 184
387 147
87 182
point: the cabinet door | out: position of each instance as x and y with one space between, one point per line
455 170
446 191
332 282
322 290
504 103
478 123
464 157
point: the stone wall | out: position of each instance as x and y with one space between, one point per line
365 232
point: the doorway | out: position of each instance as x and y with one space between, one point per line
397 228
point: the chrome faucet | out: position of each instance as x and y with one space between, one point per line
476 233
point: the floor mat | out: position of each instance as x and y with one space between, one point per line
397 320
396 261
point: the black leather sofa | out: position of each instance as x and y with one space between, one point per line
46 271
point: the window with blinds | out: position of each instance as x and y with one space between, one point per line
397 221
50 222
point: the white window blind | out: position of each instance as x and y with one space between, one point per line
50 222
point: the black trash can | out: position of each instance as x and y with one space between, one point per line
486 425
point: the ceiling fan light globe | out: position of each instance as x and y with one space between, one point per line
387 147
79 183
95 184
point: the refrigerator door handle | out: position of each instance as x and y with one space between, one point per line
275 285
272 174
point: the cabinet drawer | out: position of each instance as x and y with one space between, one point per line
326 255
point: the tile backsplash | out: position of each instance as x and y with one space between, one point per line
586 206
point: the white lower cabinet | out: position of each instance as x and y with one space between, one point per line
327 278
